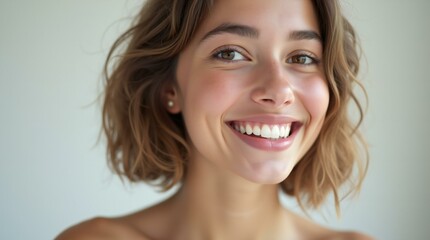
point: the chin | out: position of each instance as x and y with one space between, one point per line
267 175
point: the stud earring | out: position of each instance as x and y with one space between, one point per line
170 104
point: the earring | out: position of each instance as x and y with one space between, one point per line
170 104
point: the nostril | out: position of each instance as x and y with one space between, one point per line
273 98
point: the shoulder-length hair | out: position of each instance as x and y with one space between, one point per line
146 143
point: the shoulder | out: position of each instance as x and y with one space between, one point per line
354 236
336 235
145 224
308 229
101 228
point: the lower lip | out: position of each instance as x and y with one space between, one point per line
265 144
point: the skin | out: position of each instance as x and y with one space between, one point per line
260 83
231 187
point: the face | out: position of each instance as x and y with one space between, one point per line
251 87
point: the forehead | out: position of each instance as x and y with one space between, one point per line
275 15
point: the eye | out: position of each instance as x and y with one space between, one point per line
302 59
229 54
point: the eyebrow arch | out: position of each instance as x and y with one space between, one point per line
241 30
251 32
304 35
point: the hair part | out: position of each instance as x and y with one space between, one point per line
146 143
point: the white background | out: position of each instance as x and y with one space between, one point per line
53 174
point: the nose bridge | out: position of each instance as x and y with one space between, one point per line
274 87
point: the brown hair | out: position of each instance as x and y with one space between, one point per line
146 143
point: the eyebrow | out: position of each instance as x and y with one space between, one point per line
304 35
251 32
241 30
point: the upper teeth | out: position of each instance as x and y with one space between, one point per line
264 130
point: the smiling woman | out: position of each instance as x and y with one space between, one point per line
232 100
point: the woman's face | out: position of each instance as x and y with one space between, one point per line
251 87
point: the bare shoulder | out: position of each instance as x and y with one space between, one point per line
352 236
342 235
338 235
102 228
145 224
330 234
311 230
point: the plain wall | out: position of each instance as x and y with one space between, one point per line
53 174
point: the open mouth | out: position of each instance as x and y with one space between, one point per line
263 130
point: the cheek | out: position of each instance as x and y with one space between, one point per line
213 91
318 99
314 94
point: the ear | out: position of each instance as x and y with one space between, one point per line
170 98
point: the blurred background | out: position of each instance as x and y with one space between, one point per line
53 173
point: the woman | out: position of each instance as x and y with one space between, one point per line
231 100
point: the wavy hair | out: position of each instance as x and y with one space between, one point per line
146 143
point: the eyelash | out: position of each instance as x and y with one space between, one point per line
313 59
226 49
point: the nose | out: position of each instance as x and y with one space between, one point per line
274 89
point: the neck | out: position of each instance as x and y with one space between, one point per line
217 204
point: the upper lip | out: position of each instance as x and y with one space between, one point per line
267 119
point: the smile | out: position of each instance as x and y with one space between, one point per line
263 130
266 136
